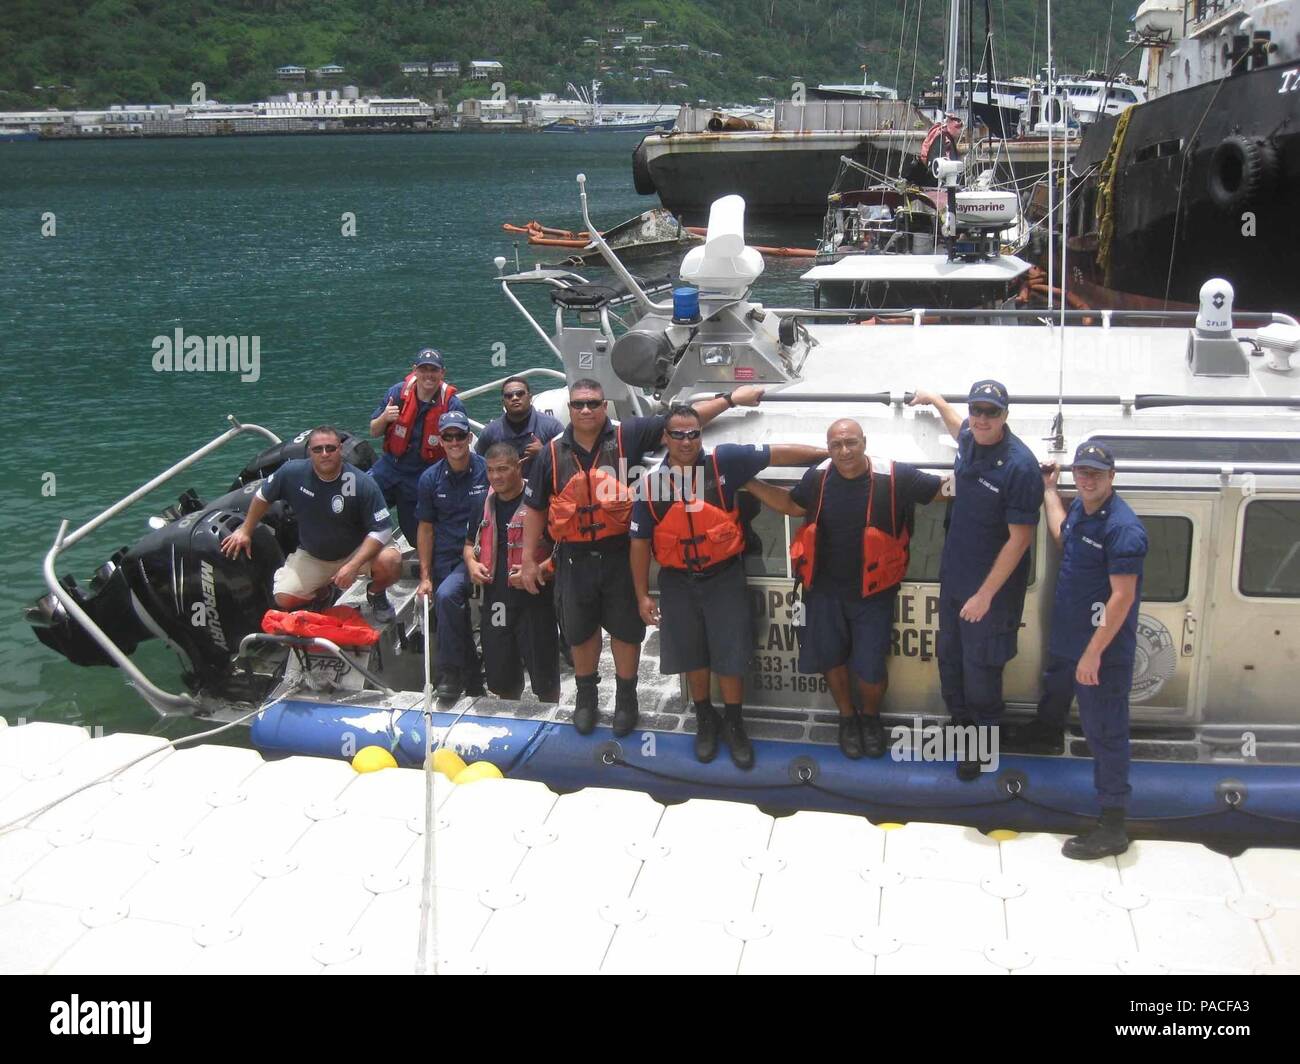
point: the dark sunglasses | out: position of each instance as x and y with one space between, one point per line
513 395
683 434
454 437
586 404
325 448
985 411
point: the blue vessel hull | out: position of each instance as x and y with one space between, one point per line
1170 799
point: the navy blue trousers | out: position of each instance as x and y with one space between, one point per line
1103 711
971 658
451 608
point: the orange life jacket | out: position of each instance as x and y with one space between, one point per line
701 533
884 556
485 545
397 437
588 505
343 625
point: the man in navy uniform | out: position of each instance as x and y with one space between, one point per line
407 419
688 516
451 493
529 430
343 528
851 555
984 569
1094 635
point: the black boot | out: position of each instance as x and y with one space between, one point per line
451 684
474 680
1035 737
706 732
850 737
733 730
1107 839
585 707
625 706
968 761
873 735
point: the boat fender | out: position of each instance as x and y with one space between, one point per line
1242 170
479 770
641 179
372 759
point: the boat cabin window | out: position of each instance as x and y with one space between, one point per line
1203 448
1270 550
765 542
1169 558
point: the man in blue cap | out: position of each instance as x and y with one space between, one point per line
1094 636
407 419
449 495
984 569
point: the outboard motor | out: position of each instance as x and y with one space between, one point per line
356 451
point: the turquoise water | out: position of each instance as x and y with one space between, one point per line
243 236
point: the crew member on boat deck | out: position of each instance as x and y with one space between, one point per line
343 528
1094 635
688 514
517 630
579 490
941 141
850 557
527 429
407 419
450 492
984 569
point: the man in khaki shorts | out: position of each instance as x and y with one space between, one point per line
343 528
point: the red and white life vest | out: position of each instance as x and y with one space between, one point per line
397 437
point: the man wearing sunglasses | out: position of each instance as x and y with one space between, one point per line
343 528
1094 636
579 491
527 429
984 569
688 516
407 419
450 494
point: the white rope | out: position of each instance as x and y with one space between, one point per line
426 961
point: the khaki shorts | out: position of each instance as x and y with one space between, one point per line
302 575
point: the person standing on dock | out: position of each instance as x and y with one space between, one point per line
688 516
407 419
984 569
529 430
1093 643
449 493
518 630
850 557
579 491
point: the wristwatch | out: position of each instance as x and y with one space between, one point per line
727 396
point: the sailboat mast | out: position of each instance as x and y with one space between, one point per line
950 67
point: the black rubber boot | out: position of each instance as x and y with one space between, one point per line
1035 737
585 708
626 710
706 732
968 762
1107 839
873 735
451 684
850 737
733 731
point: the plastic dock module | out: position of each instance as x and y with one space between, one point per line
210 859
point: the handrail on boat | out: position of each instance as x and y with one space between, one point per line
163 702
1148 401
1103 318
309 643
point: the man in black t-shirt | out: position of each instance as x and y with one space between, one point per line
849 607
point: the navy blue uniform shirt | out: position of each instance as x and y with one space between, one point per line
1093 546
334 516
995 486
503 430
411 464
738 464
451 500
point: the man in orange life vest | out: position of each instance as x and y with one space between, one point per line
579 489
517 629
687 514
850 557
407 419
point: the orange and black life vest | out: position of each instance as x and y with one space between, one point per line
884 556
398 435
588 505
697 534
486 545
342 625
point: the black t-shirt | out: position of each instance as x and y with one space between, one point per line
844 514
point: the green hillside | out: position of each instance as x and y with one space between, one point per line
137 51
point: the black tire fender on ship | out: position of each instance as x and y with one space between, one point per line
1242 170
641 179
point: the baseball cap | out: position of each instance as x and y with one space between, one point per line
429 356
1093 455
992 392
453 419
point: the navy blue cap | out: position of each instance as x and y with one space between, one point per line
1093 455
992 392
453 419
429 356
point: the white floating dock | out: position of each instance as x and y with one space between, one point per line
209 859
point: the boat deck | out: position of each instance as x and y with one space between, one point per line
210 859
